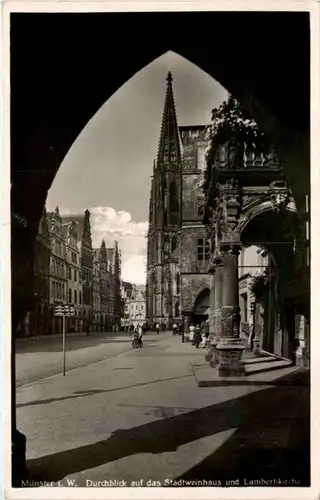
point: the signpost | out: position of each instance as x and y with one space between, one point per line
63 311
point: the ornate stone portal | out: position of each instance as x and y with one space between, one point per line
231 194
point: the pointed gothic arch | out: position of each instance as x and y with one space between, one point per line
40 144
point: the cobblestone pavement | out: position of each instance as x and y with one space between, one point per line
140 416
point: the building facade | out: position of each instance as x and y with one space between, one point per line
104 287
135 306
114 289
74 294
68 271
58 281
38 321
83 229
96 307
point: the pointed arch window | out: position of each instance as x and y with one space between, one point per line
177 310
173 243
174 204
178 283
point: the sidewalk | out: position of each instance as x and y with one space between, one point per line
141 415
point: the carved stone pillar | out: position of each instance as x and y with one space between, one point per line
215 311
230 346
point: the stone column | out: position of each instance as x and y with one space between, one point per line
215 311
230 347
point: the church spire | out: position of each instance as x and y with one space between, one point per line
169 151
151 203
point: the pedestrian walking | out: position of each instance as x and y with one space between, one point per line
197 336
175 329
157 328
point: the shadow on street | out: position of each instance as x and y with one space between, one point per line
272 439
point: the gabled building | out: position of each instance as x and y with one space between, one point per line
135 305
74 285
97 323
38 321
83 228
104 286
58 266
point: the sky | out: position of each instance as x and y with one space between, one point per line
109 166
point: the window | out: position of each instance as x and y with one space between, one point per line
178 283
174 204
69 273
202 250
244 308
70 295
176 309
80 298
173 243
75 275
201 159
75 296
200 207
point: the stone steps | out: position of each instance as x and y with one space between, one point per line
266 366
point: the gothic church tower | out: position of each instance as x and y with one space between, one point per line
165 221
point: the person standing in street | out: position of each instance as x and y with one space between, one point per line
197 336
191 333
140 335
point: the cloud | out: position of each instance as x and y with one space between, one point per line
113 225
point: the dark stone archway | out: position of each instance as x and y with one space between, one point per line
53 96
201 306
65 66
279 234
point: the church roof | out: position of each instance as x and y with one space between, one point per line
169 135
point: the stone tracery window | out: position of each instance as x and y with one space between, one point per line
203 251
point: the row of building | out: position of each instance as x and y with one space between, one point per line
69 271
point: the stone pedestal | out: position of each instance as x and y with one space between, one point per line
230 346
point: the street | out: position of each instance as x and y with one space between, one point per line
138 417
42 357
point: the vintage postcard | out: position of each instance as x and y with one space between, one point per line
161 165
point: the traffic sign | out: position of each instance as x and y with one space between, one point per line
64 310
